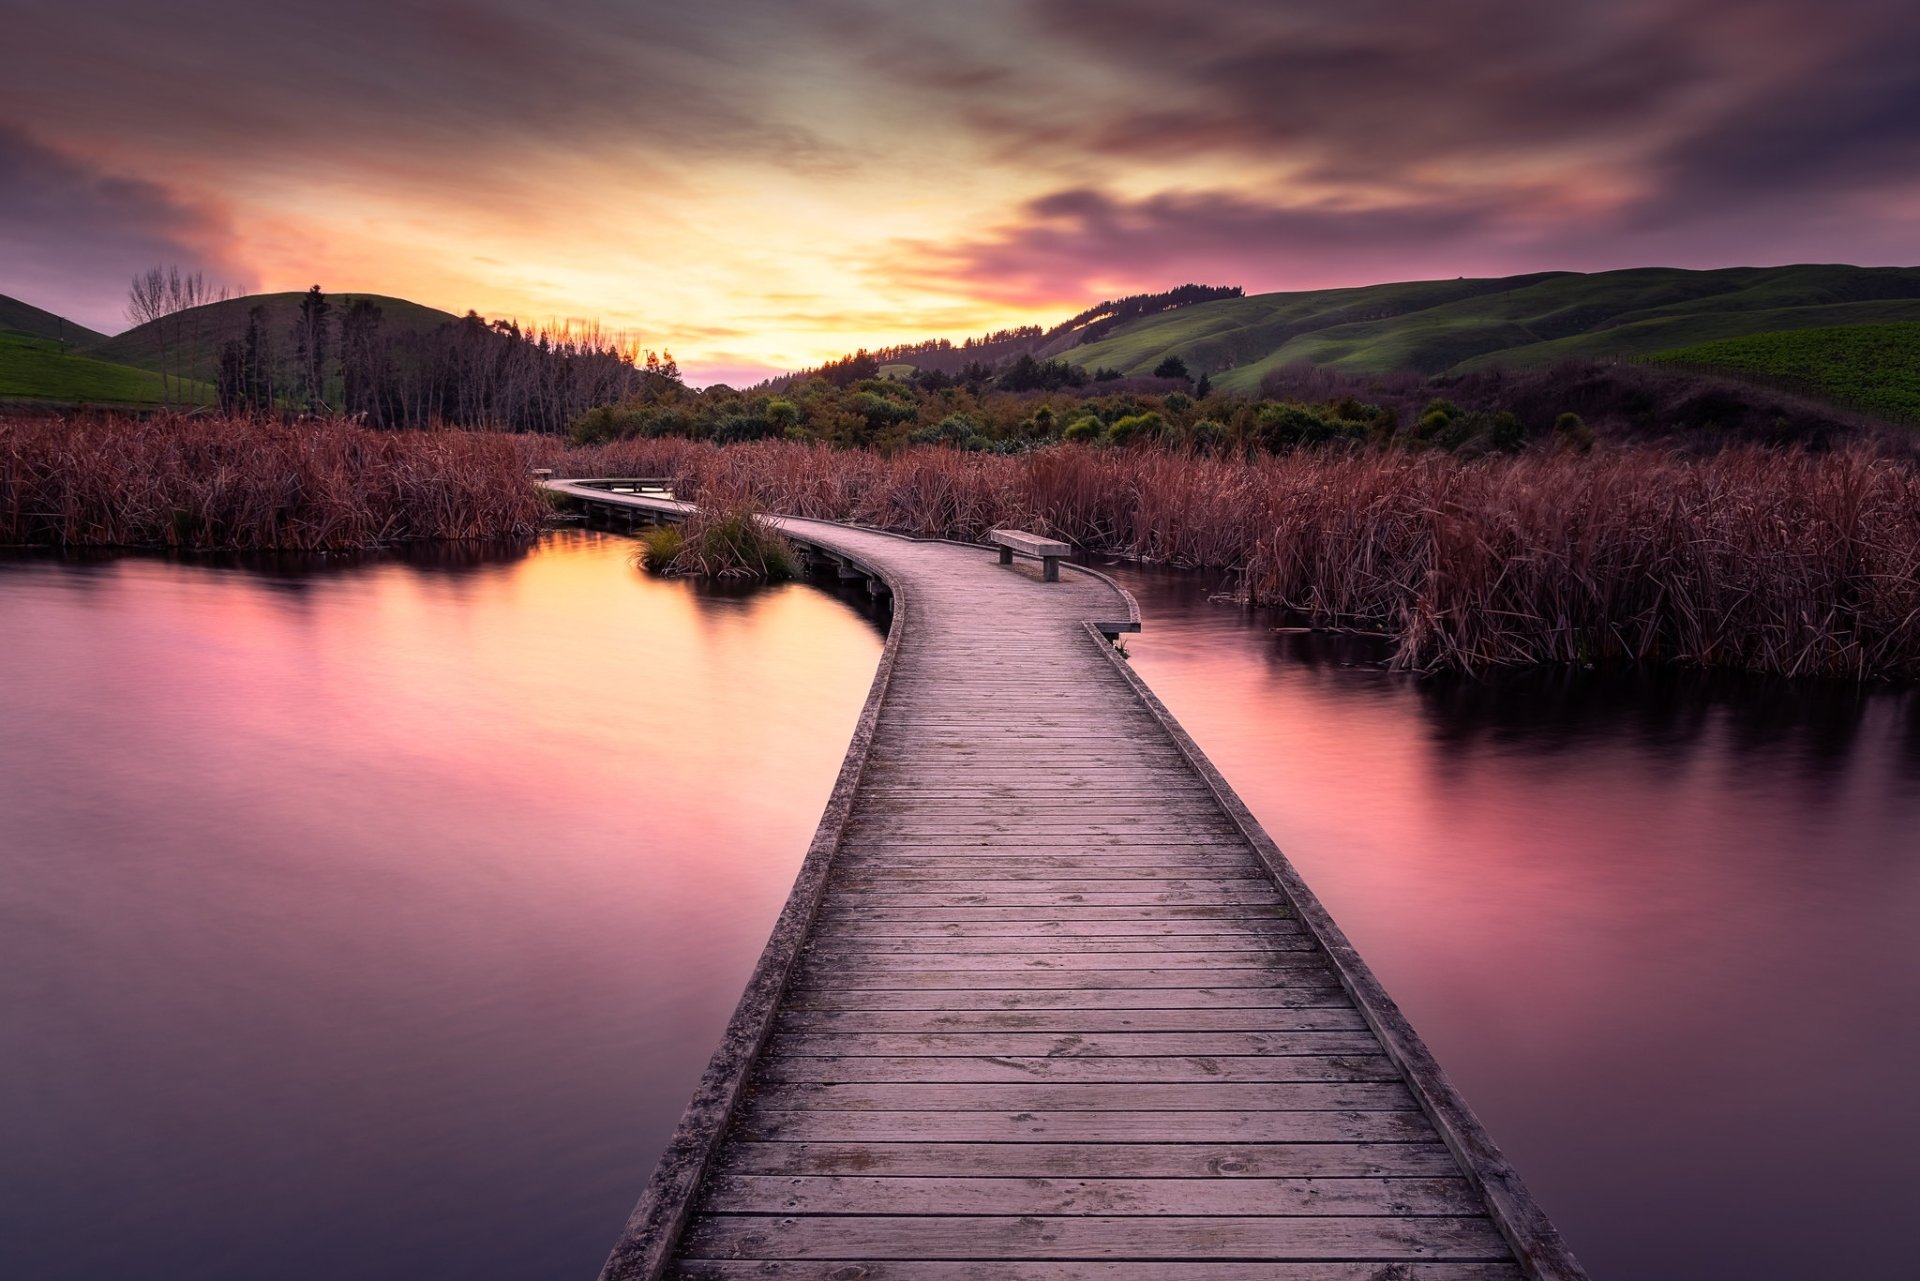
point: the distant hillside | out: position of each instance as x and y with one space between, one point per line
1433 327
203 329
40 370
25 318
1875 368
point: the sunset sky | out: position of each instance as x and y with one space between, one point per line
759 185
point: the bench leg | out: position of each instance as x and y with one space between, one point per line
1006 555
1049 569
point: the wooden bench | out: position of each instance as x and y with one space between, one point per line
1047 551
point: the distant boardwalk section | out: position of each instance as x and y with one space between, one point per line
1046 1003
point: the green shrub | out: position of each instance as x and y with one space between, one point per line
1435 419
1084 429
1505 434
1571 432
1282 427
1141 427
954 429
1207 435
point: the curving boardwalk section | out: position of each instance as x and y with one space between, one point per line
1047 1004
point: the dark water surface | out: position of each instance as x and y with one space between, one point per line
1663 932
375 921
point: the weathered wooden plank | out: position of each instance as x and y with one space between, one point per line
784 1064
828 962
881 867
1282 969
1428 1159
838 909
869 1269
858 1194
1148 894
1270 1018
1093 1237
853 1126
1305 994
845 947
1105 1096
1072 1046
1143 928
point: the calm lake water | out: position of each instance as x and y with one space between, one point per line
375 919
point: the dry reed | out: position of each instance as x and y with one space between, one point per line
1767 560
204 483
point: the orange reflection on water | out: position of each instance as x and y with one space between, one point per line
404 898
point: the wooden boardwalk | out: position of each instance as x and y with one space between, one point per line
1047 1003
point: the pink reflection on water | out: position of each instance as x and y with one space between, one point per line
402 899
1662 934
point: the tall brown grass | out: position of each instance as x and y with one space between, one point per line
1767 560
246 485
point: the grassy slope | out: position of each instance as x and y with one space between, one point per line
37 369
222 320
1876 367
25 318
1434 326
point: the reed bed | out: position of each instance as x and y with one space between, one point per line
239 484
1767 560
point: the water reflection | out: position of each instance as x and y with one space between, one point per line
365 918
1660 928
374 918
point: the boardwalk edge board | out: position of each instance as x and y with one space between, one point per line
655 1226
658 1223
1543 1255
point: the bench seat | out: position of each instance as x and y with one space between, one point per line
1047 551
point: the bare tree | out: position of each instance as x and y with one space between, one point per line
163 298
147 305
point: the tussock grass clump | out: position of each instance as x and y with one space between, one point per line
660 547
721 539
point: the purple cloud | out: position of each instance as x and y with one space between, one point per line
72 236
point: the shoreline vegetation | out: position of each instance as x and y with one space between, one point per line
726 536
1765 559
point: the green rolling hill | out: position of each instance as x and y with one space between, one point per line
24 318
40 370
216 322
47 358
1875 368
43 360
1434 327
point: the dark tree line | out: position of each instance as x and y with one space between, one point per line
1094 322
466 373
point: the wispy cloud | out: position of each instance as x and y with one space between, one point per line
782 179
